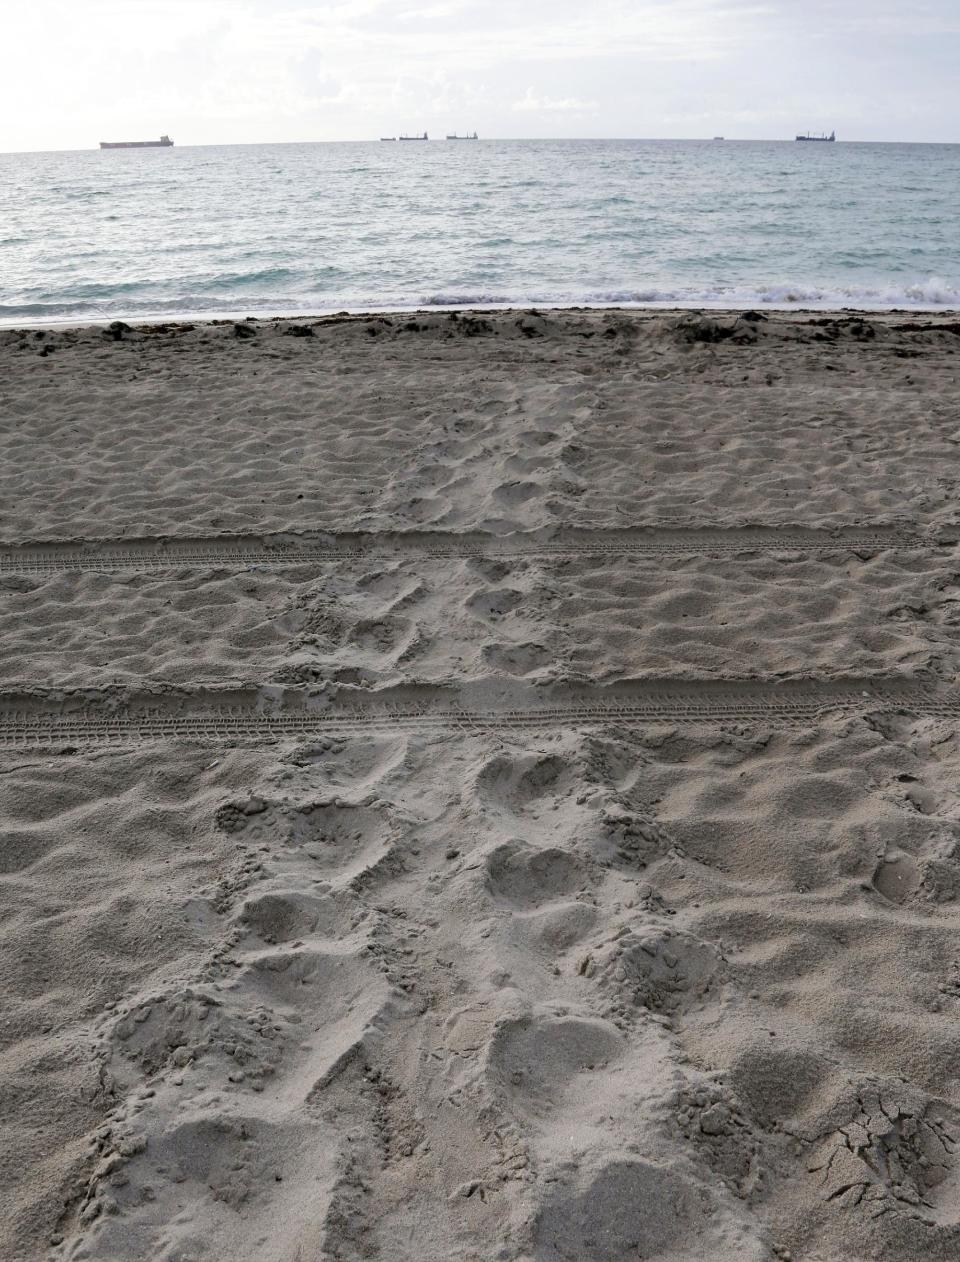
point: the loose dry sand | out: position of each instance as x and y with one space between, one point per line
479 787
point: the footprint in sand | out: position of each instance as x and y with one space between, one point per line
554 929
540 887
24 847
634 1209
513 494
287 916
521 876
386 634
517 659
661 970
897 876
350 763
492 605
524 785
780 1086
342 840
202 1029
896 1153
532 1060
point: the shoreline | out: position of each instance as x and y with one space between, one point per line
652 308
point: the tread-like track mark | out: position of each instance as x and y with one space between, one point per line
242 716
241 551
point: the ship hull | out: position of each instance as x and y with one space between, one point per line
136 144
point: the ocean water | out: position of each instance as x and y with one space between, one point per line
319 227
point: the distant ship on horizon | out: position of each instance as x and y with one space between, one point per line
163 143
827 139
468 136
417 137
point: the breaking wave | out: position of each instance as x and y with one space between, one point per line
930 295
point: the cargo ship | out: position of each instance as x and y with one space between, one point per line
466 137
406 137
163 143
828 139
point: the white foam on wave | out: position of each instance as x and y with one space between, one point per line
929 294
933 294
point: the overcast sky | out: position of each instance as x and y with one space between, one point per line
73 72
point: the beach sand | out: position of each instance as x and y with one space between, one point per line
481 786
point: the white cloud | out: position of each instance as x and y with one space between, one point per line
530 103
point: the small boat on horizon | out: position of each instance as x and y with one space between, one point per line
388 137
468 136
822 138
163 143
417 137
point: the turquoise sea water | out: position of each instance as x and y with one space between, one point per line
316 227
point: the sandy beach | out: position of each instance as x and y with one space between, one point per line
481 786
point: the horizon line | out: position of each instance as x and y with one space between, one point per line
253 144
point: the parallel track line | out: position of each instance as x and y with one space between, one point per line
285 551
32 724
